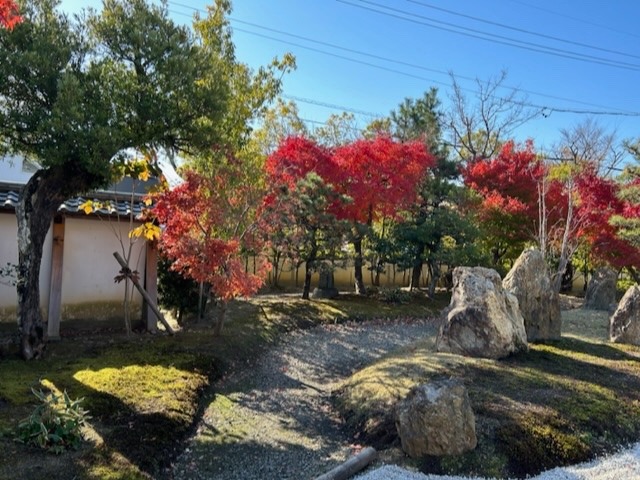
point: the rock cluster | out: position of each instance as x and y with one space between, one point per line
436 419
539 304
601 291
483 319
624 324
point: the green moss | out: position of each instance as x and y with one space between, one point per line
146 392
561 403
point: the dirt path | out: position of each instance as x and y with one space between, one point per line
276 420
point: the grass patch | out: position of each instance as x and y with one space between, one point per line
562 403
146 393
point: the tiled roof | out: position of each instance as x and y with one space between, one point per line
9 199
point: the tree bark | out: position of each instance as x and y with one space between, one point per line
307 281
415 276
357 267
39 202
434 270
220 318
417 268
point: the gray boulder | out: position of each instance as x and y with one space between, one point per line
601 291
483 319
624 324
539 303
436 419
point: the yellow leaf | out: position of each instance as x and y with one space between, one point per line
137 232
87 207
144 175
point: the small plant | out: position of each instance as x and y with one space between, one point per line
55 423
394 295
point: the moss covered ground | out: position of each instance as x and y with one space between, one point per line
146 392
563 402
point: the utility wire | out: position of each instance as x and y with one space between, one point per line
575 19
319 103
488 37
522 30
407 64
386 59
544 110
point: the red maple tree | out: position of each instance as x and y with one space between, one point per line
382 177
9 15
203 235
599 201
511 186
298 217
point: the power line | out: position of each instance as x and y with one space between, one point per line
490 37
522 30
386 59
407 64
575 19
312 101
544 110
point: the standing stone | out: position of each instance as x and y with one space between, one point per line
539 303
601 292
483 319
624 324
326 288
436 419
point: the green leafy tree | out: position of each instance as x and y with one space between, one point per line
76 93
435 221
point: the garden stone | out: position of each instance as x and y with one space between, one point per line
436 419
539 303
325 287
483 319
624 325
601 292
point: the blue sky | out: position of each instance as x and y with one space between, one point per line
367 55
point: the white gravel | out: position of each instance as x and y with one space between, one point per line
624 465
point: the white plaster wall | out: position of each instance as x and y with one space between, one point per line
89 265
9 253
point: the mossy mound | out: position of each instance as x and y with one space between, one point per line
562 403
147 392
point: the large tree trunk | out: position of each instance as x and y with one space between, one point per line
418 261
221 315
359 279
39 202
307 281
415 276
308 271
434 270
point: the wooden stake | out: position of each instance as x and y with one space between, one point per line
144 294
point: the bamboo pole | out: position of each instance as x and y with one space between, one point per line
143 292
351 466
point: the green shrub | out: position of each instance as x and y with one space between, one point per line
394 295
55 423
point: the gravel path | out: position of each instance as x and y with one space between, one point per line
274 421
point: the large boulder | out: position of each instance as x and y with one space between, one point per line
436 419
539 303
483 319
601 291
624 324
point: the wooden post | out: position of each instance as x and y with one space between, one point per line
151 286
55 285
144 294
351 466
